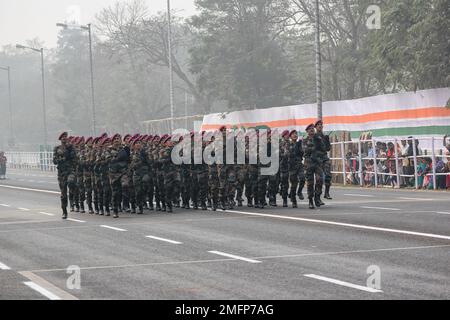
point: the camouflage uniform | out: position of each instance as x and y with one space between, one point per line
296 169
86 162
98 187
64 157
251 180
141 176
313 167
284 170
169 175
152 177
118 159
326 163
160 193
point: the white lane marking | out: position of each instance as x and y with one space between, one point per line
381 208
415 199
113 228
357 226
29 189
42 291
5 205
49 287
47 214
234 257
4 267
443 212
343 283
165 240
358 195
24 209
75 220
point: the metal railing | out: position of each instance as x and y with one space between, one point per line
374 167
42 161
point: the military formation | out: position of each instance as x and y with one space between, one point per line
134 173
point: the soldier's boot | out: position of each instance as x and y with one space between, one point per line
257 206
72 207
214 205
64 215
285 203
223 206
77 208
141 210
195 205
231 204
158 206
272 201
101 211
294 202
311 203
300 194
116 212
133 208
107 211
82 208
169 207
150 206
183 205
91 210
204 206
317 201
177 204
163 207
327 193
320 201
250 202
209 204
97 210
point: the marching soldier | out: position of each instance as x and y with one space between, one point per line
326 160
64 157
313 166
295 165
140 166
86 161
118 158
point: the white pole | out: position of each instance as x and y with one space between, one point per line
416 177
169 43
375 167
433 153
361 178
396 163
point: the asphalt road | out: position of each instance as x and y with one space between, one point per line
275 253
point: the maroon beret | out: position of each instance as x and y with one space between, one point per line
63 135
310 126
292 132
318 122
116 136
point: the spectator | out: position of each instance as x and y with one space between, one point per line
447 171
3 161
440 180
369 176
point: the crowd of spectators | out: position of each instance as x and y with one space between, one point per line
386 154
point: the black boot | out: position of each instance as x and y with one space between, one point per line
169 207
240 203
317 201
164 207
250 202
294 203
231 204
141 210
64 215
300 194
195 205
311 203
223 206
214 205
327 193
209 203
204 206
116 212
96 207
133 209
158 206
91 211
272 202
82 208
285 203
77 208
107 212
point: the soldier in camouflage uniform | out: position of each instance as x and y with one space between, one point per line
73 192
81 192
151 173
274 180
117 157
160 193
295 165
141 175
313 147
251 179
87 163
284 167
98 186
104 168
213 177
186 181
64 157
325 158
168 171
128 192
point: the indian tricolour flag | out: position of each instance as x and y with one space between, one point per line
418 114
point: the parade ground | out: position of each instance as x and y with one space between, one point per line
400 238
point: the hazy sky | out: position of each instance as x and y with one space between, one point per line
22 20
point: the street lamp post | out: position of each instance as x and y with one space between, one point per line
87 27
318 63
169 43
44 106
11 130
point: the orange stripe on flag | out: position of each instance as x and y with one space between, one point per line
430 112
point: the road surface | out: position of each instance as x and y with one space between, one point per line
246 253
